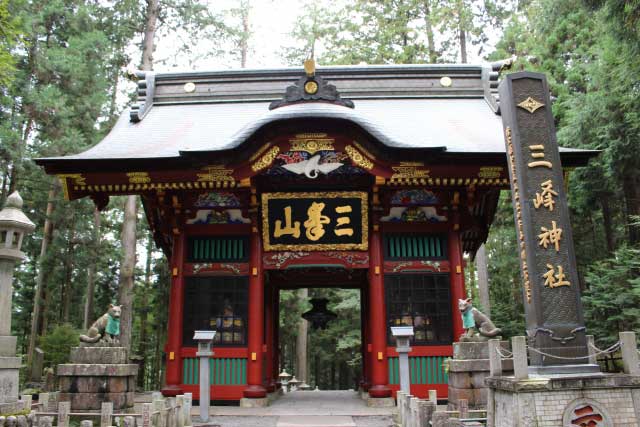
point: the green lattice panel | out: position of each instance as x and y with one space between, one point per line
422 370
412 246
222 371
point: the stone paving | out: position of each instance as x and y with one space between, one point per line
304 409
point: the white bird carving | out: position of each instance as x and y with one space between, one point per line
311 167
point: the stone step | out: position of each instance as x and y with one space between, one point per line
315 421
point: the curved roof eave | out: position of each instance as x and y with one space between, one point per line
315 110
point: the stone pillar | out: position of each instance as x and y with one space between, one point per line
176 310
255 389
13 225
456 275
377 320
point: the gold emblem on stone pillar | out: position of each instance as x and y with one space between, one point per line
530 105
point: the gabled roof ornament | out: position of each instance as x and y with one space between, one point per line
310 88
146 90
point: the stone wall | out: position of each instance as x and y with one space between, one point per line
543 402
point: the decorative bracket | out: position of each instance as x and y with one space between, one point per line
146 92
311 88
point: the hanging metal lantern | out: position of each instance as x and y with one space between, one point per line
319 315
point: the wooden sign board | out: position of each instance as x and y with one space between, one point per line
315 221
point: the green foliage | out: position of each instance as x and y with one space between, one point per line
10 37
57 344
612 302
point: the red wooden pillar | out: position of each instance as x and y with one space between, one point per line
269 339
377 320
176 309
276 337
255 389
456 276
364 332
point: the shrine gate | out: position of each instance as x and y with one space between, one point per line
377 178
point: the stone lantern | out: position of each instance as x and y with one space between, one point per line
13 226
403 335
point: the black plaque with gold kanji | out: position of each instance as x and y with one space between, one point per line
551 289
315 221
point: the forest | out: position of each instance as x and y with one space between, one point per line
65 77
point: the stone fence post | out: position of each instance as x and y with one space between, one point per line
520 362
495 360
106 413
63 414
593 360
433 397
146 414
43 402
629 350
188 397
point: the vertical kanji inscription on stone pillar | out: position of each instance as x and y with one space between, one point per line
550 281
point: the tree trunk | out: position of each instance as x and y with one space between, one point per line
144 315
153 11
127 269
431 48
244 41
462 35
301 341
37 298
91 276
483 279
68 274
632 202
607 223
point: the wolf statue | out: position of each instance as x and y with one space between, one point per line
477 325
106 329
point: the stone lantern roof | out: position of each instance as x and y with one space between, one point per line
11 215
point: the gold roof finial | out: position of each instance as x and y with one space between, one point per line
310 67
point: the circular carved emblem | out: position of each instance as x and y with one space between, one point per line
586 413
189 87
446 81
311 87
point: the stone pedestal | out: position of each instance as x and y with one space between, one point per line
467 373
9 379
96 375
556 401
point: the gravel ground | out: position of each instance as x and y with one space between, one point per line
244 421
272 421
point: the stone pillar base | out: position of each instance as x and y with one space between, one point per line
468 370
254 402
97 375
381 402
610 399
9 380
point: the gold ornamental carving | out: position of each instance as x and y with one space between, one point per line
216 173
409 172
530 104
357 158
312 143
138 177
490 172
364 150
76 178
259 152
266 160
